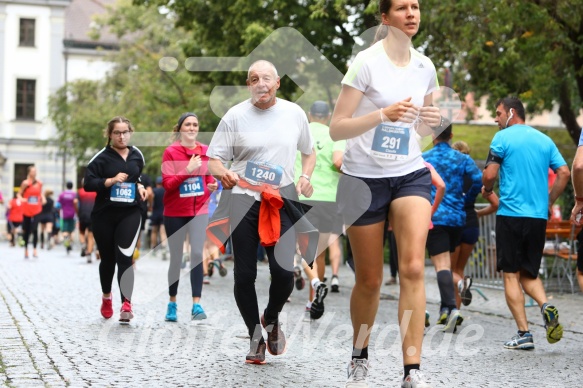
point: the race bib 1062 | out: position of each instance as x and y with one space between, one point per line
123 192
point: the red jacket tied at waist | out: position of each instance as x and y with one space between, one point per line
269 220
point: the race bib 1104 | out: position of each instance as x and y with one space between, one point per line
191 187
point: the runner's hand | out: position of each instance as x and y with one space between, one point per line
143 193
304 187
194 163
120 177
212 186
576 213
229 180
404 111
430 115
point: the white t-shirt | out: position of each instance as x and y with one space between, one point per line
263 142
394 151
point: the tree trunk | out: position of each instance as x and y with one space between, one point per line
568 114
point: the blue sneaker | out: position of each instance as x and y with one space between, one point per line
197 312
524 342
171 312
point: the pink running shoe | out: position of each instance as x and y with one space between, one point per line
126 313
107 307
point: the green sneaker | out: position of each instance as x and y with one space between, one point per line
443 314
452 321
551 319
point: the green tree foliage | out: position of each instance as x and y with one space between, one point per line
532 49
234 28
136 87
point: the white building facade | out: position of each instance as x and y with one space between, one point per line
43 44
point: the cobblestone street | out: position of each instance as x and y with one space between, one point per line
52 334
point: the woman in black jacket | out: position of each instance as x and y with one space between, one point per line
114 173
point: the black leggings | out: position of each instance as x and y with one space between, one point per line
116 232
245 238
176 229
30 226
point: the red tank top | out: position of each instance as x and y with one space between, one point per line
15 210
32 199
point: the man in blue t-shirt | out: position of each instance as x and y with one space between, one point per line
522 155
577 212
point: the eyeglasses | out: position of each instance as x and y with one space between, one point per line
124 133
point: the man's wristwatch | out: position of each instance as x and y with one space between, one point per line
305 176
488 190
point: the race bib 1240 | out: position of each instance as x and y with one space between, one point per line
262 172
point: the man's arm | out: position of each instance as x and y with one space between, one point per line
563 175
228 178
489 177
308 164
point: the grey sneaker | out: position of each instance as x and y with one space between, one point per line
415 380
525 342
357 373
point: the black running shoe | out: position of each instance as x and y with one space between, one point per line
465 293
334 284
317 309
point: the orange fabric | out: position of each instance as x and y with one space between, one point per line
269 220
32 195
224 226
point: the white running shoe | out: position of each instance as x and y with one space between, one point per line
357 373
415 380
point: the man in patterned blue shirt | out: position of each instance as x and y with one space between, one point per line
523 156
449 219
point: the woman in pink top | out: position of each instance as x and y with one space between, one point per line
188 185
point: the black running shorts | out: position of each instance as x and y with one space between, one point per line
443 239
519 243
365 201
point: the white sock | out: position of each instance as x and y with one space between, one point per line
460 285
315 283
309 305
